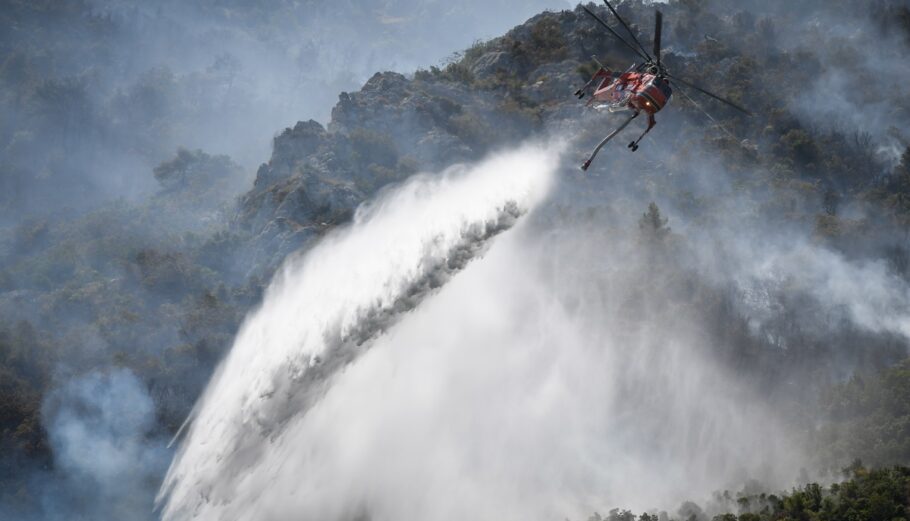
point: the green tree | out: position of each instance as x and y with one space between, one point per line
653 225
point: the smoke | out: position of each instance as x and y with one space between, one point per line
836 98
838 46
101 428
865 293
100 92
566 370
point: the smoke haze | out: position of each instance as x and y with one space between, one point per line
499 340
108 450
100 92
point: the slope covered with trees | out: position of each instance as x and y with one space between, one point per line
158 284
870 495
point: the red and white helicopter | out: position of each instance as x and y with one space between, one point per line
644 87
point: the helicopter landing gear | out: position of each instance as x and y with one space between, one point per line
651 122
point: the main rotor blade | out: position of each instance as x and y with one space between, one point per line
707 93
658 24
628 29
615 34
706 113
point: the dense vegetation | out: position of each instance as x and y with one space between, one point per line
151 287
870 418
868 495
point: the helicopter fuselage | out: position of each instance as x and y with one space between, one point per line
636 91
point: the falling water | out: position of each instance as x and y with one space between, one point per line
395 373
326 306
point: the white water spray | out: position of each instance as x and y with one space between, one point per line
325 307
559 375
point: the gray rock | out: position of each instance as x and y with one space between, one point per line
552 82
289 149
493 62
444 147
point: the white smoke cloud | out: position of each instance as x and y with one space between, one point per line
100 427
865 293
764 265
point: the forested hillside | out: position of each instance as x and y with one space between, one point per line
154 277
874 495
97 93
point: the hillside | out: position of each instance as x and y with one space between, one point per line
878 495
158 285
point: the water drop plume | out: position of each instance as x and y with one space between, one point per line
325 308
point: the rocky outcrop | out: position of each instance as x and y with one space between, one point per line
500 92
289 150
493 63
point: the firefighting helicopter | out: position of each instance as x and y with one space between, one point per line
644 87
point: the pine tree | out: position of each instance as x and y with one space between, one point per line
652 225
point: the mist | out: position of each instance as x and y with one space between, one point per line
420 308
579 363
518 391
109 450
